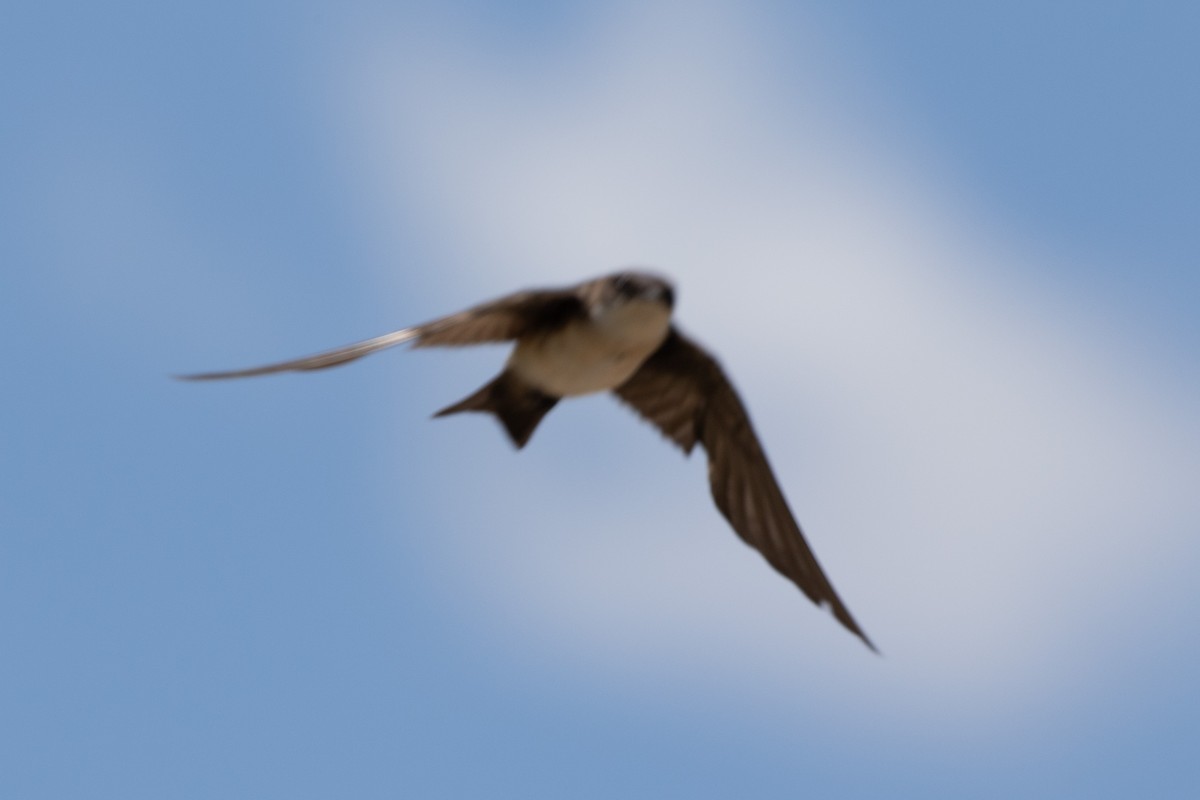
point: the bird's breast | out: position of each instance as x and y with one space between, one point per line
592 355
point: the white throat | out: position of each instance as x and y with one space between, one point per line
593 355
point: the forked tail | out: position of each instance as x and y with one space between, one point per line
518 406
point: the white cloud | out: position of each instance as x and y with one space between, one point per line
971 459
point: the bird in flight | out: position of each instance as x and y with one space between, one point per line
614 334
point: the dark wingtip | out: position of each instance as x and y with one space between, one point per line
858 632
842 615
219 376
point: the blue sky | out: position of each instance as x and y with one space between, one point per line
968 234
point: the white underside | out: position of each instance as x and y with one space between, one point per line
593 356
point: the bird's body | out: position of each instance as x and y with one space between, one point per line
615 334
596 353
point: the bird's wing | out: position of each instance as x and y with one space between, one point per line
683 391
496 321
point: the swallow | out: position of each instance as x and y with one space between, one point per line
615 334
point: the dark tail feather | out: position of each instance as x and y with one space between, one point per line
518 406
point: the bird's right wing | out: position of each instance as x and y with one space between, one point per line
496 321
683 391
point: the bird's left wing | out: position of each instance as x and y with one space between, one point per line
496 321
683 391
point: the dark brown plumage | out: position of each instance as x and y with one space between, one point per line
591 331
683 391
